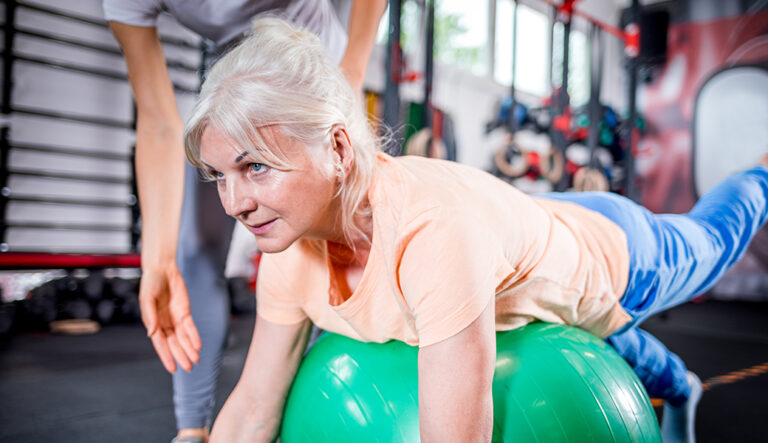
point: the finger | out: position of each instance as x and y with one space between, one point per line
179 306
186 344
160 344
148 312
178 353
180 311
191 330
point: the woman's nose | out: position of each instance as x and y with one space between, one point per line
238 199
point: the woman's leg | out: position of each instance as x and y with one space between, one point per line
695 249
662 372
204 237
672 259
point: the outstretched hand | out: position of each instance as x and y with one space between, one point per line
164 304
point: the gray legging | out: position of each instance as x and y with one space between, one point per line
204 236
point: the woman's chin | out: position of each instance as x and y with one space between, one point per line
272 245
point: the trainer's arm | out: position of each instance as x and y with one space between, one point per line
455 377
253 411
364 20
160 178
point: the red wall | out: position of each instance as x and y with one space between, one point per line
695 51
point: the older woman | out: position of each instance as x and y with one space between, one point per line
428 252
184 280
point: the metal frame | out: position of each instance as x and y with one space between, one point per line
560 103
630 133
394 68
595 110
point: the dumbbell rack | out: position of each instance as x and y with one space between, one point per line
122 253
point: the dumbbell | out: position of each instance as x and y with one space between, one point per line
41 305
104 311
93 286
72 301
7 319
125 295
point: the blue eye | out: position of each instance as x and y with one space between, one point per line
257 167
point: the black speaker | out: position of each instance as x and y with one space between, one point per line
653 37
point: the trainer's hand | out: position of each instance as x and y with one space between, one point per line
164 304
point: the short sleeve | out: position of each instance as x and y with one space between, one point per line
132 12
448 273
276 300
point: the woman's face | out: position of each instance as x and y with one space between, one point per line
278 207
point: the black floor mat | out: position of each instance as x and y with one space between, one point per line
110 387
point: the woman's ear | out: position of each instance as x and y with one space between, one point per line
342 147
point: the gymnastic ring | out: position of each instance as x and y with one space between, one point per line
506 167
423 144
437 149
417 143
554 172
590 179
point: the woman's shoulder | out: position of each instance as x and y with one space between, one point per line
416 196
418 184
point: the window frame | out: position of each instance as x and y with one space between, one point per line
490 53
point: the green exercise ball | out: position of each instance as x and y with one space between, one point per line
552 383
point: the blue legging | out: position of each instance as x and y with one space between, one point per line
204 235
673 258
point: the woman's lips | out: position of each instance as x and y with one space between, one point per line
262 228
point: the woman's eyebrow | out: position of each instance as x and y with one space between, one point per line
241 157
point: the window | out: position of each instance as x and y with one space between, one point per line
502 61
461 39
410 27
532 48
461 34
578 65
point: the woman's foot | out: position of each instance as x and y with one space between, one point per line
193 435
678 422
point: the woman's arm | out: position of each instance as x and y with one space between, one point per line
363 23
254 410
455 377
160 178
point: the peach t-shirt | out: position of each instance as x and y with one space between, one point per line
447 240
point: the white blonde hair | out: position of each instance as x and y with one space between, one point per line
282 76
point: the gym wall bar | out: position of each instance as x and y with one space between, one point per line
108 179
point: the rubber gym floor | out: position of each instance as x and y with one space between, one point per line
110 387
